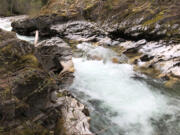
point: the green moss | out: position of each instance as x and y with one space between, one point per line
158 17
148 71
118 49
12 60
30 60
109 5
141 7
5 94
60 127
33 129
60 94
1 129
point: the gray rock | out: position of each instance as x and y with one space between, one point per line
79 31
115 43
28 26
51 52
141 42
75 120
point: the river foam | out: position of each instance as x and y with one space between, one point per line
5 24
136 105
133 106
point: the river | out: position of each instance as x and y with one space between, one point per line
119 102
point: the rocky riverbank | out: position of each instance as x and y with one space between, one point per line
158 59
33 84
130 19
34 81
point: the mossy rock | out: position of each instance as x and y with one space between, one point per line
154 16
25 88
33 129
4 35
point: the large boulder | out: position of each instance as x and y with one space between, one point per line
51 52
41 23
55 56
26 88
29 90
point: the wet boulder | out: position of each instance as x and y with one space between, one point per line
28 26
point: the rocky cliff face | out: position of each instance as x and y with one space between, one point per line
32 77
155 22
33 81
130 19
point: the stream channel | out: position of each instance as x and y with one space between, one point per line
120 101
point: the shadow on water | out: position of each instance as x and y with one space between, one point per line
101 114
167 124
157 84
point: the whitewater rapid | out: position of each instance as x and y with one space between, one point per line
118 103
135 104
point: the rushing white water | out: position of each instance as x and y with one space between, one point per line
135 103
5 24
25 38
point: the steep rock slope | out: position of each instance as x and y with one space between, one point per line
156 21
33 97
130 19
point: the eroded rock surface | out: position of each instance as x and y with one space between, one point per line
154 23
55 56
79 31
158 59
75 116
23 82
28 88
133 20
